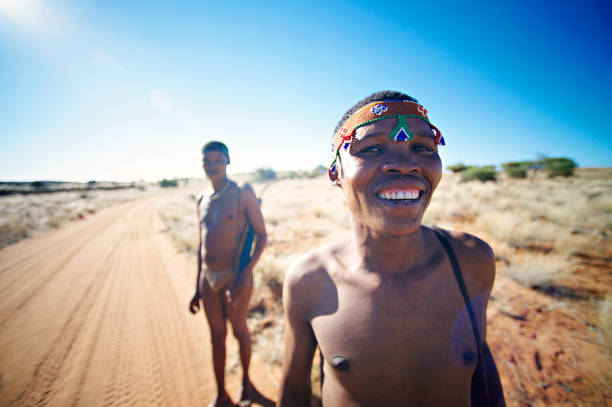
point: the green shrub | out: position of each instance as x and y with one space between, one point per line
517 169
264 174
486 173
165 183
459 167
560 166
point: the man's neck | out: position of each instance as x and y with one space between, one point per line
220 183
389 254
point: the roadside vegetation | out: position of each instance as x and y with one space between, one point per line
25 214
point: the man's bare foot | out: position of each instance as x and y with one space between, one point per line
245 395
222 400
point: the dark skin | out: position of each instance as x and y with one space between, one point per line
224 220
383 305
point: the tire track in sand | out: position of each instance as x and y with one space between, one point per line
47 371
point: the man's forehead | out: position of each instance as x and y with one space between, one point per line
385 126
213 153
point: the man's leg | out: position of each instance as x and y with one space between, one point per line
215 314
237 314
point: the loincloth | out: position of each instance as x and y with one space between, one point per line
219 279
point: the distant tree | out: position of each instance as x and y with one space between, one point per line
264 174
459 167
37 184
517 169
485 173
165 183
560 166
320 169
316 171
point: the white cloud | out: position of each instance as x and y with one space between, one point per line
161 100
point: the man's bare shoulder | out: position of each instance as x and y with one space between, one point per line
474 254
309 274
245 187
469 243
309 266
247 192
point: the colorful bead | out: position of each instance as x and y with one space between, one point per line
378 109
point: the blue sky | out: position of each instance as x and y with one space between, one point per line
116 90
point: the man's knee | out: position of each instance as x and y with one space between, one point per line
240 330
218 335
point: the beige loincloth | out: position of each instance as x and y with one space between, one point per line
218 279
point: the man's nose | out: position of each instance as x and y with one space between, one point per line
401 163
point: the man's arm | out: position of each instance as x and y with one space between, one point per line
255 218
478 257
493 385
194 305
300 344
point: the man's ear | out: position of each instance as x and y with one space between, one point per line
227 160
338 176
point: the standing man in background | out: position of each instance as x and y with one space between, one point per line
225 214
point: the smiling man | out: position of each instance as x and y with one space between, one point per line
225 214
397 308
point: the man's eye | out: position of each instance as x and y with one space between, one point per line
371 149
423 147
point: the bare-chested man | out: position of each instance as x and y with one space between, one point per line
385 305
224 216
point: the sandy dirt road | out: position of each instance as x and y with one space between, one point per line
95 313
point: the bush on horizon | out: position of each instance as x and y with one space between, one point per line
517 169
560 166
264 174
165 183
485 173
459 167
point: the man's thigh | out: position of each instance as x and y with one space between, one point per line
213 306
237 310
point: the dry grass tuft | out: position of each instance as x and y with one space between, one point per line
538 270
24 215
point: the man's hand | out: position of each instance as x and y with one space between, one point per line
235 288
194 305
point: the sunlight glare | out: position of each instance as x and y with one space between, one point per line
24 12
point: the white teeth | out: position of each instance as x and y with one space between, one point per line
399 195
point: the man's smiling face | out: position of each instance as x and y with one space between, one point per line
388 184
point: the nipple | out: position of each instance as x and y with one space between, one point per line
340 362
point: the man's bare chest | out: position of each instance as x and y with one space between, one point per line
223 213
404 335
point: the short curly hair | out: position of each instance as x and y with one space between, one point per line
215 146
374 97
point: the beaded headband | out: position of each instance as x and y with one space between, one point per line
372 112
